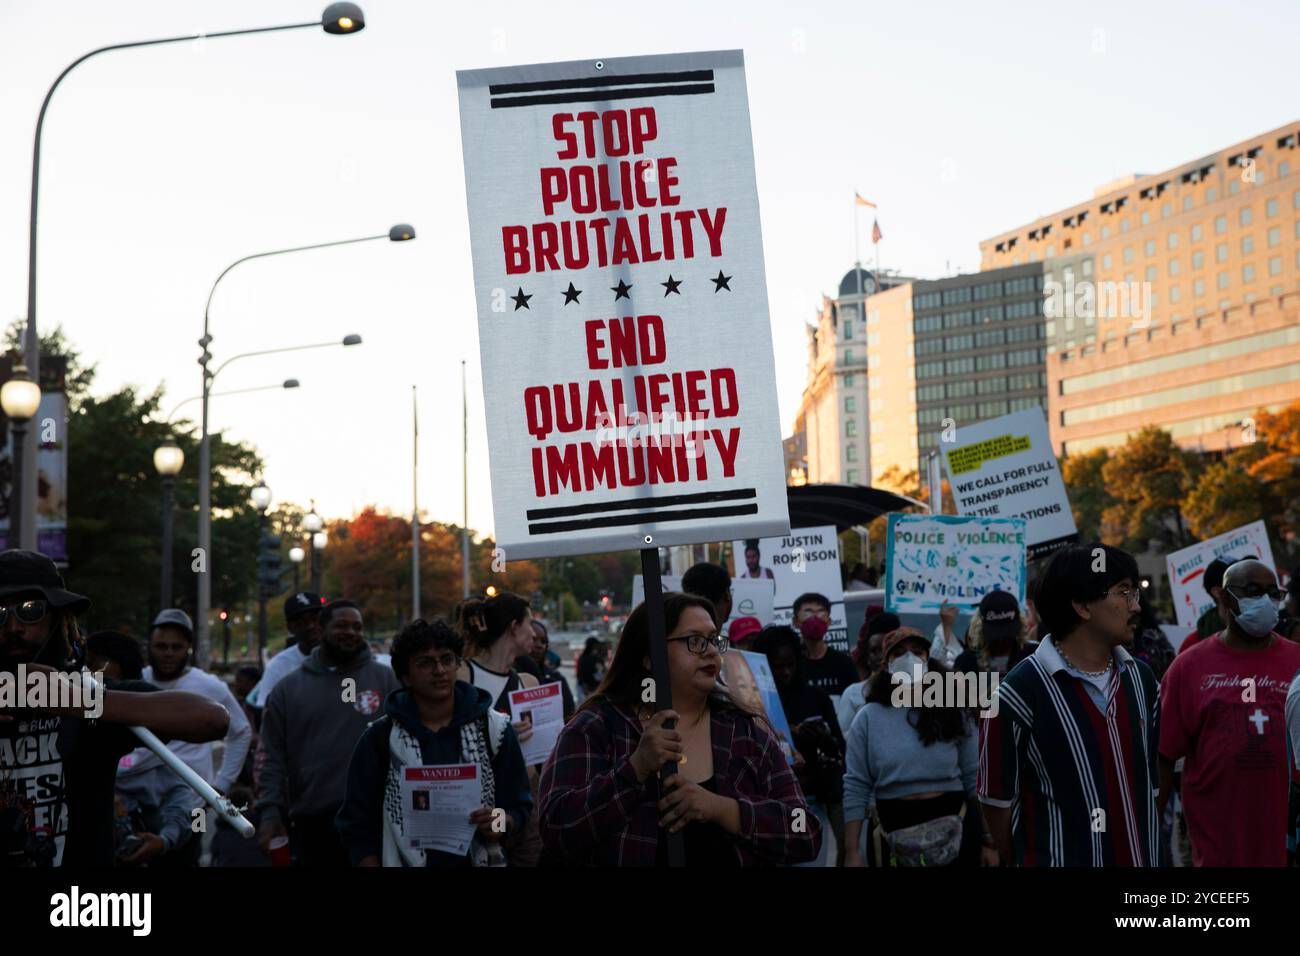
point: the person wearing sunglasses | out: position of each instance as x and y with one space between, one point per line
1223 708
433 719
1068 749
733 796
57 767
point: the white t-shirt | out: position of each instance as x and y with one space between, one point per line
199 756
277 669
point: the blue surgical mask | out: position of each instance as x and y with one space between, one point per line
1256 615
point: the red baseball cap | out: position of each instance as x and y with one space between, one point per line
744 627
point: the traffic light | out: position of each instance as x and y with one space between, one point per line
268 564
224 615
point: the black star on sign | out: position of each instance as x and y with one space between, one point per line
720 282
521 300
571 294
671 286
621 290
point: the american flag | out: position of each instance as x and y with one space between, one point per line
876 234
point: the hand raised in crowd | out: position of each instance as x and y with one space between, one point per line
658 746
947 616
268 831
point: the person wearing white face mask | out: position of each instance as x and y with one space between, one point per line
1223 709
912 769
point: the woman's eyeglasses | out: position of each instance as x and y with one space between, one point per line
28 612
699 643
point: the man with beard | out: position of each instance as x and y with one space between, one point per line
1067 769
170 668
302 621
1224 710
312 722
57 768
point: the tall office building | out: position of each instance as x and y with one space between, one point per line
1174 298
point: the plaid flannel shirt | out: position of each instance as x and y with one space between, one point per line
594 811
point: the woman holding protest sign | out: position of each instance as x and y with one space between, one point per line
733 797
911 768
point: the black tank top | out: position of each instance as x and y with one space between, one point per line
513 682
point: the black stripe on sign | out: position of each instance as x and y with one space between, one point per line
536 514
682 76
602 96
645 517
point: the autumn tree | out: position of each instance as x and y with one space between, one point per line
1148 478
1087 491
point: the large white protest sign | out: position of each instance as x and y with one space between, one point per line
933 559
806 560
1187 567
668 582
628 373
1005 468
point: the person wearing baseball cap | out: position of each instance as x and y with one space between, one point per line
302 621
171 667
742 631
995 640
70 760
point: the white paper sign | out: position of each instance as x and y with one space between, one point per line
436 804
544 706
669 582
1187 567
629 379
932 559
1006 468
805 560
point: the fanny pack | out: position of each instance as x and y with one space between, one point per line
935 842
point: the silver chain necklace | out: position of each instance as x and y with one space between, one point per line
1105 670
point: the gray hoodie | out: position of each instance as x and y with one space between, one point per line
313 720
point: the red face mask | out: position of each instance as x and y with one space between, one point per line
813 628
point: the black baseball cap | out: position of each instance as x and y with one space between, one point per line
301 603
26 571
999 613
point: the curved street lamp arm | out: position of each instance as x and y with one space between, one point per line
234 391
275 252
287 348
31 344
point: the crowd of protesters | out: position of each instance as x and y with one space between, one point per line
1096 745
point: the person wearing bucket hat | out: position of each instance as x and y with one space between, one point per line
56 805
912 770
302 621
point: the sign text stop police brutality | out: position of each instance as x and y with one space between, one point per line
647 431
611 184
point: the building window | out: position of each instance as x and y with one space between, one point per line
1275 266
1123 225
848 380
1150 274
1220 224
1171 241
1087 267
1106 260
848 356
1211 194
1149 247
1248 273
851 428
1198 288
1243 216
850 403
1105 230
1223 279
1196 232
1146 217
1234 187
1128 254
1274 236
848 329
1166 210
1283 170
1270 208
1174 294
853 476
1221 252
1247 245
1173 267
1187 203
1198 259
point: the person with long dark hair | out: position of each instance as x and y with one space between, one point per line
912 769
733 797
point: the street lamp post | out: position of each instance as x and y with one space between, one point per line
402 232
313 524
296 554
318 542
168 459
20 398
261 496
338 18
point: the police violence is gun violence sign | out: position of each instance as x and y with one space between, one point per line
627 360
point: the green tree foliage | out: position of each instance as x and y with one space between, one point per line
1148 479
1088 495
